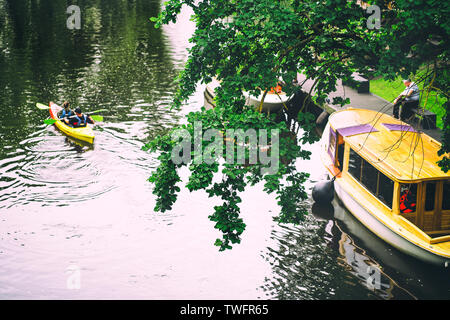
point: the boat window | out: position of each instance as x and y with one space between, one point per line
354 164
332 145
376 182
446 196
369 176
340 152
430 194
386 190
408 198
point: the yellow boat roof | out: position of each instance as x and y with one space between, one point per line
405 156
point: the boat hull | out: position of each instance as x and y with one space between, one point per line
84 134
385 221
272 102
384 232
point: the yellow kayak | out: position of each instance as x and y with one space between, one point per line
83 133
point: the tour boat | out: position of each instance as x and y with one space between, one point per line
273 101
387 176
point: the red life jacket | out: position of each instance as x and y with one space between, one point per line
406 206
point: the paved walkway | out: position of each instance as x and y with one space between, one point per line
360 100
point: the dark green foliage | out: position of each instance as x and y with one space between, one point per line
445 162
250 44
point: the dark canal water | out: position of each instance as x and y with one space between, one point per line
70 210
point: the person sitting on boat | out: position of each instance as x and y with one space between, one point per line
80 119
66 112
408 100
407 203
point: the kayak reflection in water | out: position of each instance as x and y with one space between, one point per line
79 119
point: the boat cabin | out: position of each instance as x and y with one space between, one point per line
395 167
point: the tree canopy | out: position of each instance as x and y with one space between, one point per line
250 44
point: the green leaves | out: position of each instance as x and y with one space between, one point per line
165 179
293 211
249 45
226 216
235 176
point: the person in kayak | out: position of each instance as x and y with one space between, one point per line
66 112
80 119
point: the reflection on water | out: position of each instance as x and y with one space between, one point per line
418 278
355 259
66 205
337 258
368 271
333 256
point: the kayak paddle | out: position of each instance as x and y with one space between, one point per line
52 121
97 118
44 107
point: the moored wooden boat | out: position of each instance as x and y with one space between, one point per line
387 177
84 133
273 101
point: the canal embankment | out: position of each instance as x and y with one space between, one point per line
358 99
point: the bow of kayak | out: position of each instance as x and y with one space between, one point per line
83 133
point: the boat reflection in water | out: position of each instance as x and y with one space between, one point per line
352 257
79 145
378 264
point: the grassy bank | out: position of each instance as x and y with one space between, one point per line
389 90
